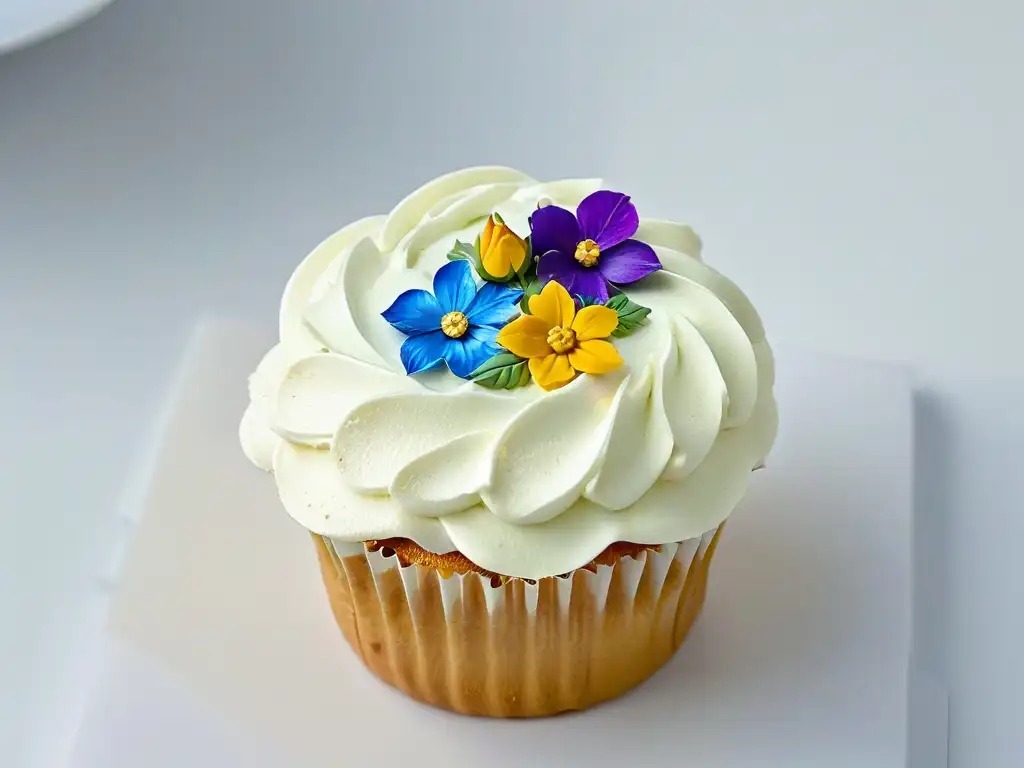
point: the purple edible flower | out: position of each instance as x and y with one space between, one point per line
588 252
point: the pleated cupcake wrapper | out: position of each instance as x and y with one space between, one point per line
519 648
453 587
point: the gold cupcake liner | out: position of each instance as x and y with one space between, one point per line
520 649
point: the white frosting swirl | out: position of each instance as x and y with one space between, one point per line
523 482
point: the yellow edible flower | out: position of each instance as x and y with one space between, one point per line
501 250
559 341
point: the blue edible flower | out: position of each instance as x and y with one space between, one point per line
457 324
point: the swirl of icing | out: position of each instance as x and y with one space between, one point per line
523 482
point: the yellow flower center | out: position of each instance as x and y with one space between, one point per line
454 325
587 253
562 340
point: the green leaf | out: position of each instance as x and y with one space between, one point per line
505 377
530 288
503 371
631 315
468 252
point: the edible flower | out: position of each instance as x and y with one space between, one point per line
502 251
592 250
559 341
457 324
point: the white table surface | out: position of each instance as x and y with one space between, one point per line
855 166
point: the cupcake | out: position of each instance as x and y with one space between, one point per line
514 416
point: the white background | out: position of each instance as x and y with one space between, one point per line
856 166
